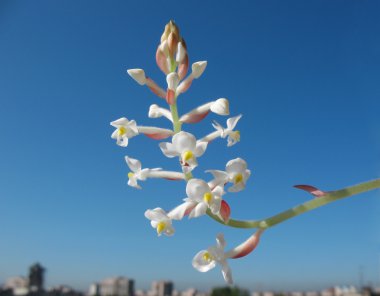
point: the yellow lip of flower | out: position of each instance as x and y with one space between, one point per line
238 178
207 257
187 155
130 175
122 131
161 227
207 197
236 135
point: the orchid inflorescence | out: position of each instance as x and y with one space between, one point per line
202 197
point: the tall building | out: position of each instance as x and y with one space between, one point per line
117 286
162 288
36 278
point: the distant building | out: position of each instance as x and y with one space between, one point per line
36 278
18 285
117 286
162 288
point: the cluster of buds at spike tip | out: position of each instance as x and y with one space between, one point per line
203 196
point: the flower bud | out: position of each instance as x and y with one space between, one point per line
138 75
221 107
173 80
170 27
154 111
181 52
198 68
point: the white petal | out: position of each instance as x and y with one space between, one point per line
122 141
133 183
143 174
200 148
184 141
237 187
199 210
215 204
120 122
219 128
169 231
202 265
198 69
138 75
133 164
236 166
220 241
218 190
168 149
156 214
132 129
179 212
227 275
115 134
221 177
196 188
221 107
231 122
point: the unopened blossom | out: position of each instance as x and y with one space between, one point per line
206 260
197 70
220 107
155 112
125 129
136 172
171 53
186 147
172 79
139 76
203 197
236 173
160 221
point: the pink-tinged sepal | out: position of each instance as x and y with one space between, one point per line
161 60
225 211
170 97
194 118
312 190
158 91
183 67
245 248
155 133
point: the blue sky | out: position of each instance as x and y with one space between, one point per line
304 74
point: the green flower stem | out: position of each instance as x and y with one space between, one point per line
303 208
176 122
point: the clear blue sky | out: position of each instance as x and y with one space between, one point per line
305 75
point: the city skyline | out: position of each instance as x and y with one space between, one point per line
303 74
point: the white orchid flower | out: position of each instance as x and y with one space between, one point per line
220 107
236 173
232 136
139 76
125 129
206 260
203 197
186 147
160 221
136 172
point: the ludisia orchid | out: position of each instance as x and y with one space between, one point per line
203 197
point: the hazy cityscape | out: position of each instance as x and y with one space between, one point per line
34 285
